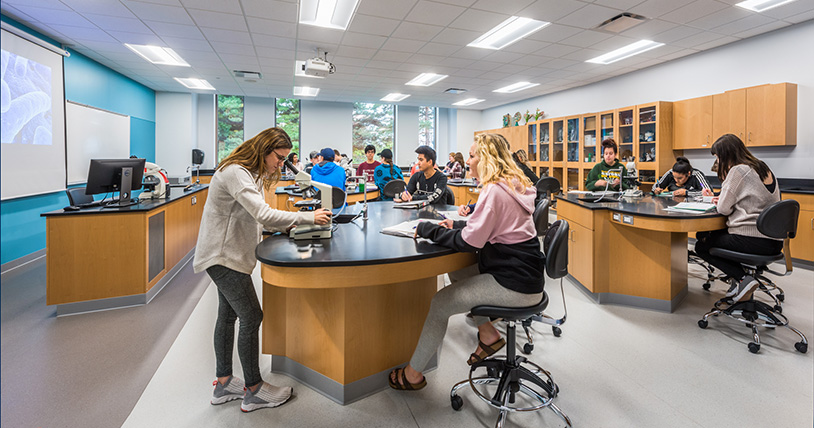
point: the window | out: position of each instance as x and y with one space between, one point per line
230 124
288 118
372 124
426 126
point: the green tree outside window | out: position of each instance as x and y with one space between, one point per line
288 118
230 124
372 124
426 126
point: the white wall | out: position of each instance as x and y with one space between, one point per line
468 121
173 131
258 115
775 57
207 138
325 124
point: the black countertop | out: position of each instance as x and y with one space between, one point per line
648 206
145 205
787 185
357 243
465 183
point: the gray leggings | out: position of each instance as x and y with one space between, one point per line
237 299
469 288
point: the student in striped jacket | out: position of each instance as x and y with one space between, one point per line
683 178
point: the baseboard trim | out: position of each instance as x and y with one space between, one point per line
633 301
11 267
111 303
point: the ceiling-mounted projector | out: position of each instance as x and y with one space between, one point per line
318 67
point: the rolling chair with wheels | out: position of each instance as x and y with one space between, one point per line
509 373
546 187
540 218
393 188
77 196
779 220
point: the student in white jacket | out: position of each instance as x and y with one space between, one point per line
231 226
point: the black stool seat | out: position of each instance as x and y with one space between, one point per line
511 314
749 259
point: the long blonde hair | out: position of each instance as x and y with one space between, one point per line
496 163
252 154
522 157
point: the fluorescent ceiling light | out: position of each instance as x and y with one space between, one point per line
427 79
193 83
519 86
158 55
761 5
334 14
305 91
299 70
508 32
395 97
467 102
625 52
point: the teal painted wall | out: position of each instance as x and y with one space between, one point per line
22 230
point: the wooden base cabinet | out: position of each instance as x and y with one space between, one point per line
802 246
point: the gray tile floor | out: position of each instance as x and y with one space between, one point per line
616 367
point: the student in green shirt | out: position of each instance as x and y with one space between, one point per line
597 178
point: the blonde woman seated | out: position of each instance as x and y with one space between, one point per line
510 265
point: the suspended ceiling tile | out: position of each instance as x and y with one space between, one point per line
393 56
360 40
157 12
387 9
721 17
225 21
589 16
167 29
555 33
136 38
551 10
270 9
585 39
416 31
456 37
478 20
677 33
657 8
693 11
428 12
271 27
649 29
225 6
762 29
373 25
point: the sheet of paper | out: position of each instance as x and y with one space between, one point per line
453 215
406 229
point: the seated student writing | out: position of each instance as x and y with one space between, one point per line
748 187
366 168
457 169
426 184
600 174
683 178
386 172
327 171
510 265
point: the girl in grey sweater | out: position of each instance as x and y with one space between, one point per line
748 187
232 222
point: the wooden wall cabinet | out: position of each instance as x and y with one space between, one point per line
771 115
692 123
761 116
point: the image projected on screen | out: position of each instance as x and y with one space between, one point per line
25 101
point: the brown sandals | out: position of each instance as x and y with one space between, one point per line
405 385
486 350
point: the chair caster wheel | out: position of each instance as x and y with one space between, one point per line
556 330
527 348
801 347
705 286
754 347
492 372
778 309
781 297
703 323
457 402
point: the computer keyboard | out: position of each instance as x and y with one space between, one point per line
90 204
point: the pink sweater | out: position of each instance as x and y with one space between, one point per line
503 216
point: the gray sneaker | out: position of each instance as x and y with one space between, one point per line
267 395
733 287
746 287
233 390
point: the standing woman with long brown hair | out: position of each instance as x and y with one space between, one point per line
748 187
233 218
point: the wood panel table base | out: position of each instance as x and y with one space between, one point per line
342 342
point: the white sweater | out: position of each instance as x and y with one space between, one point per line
743 197
233 218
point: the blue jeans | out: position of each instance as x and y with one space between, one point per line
237 299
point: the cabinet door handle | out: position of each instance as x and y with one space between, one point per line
812 223
750 135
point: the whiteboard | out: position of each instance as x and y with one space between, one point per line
93 133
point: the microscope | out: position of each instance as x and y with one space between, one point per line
155 182
309 190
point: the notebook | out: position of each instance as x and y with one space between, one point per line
406 229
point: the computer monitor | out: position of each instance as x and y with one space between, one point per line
112 175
